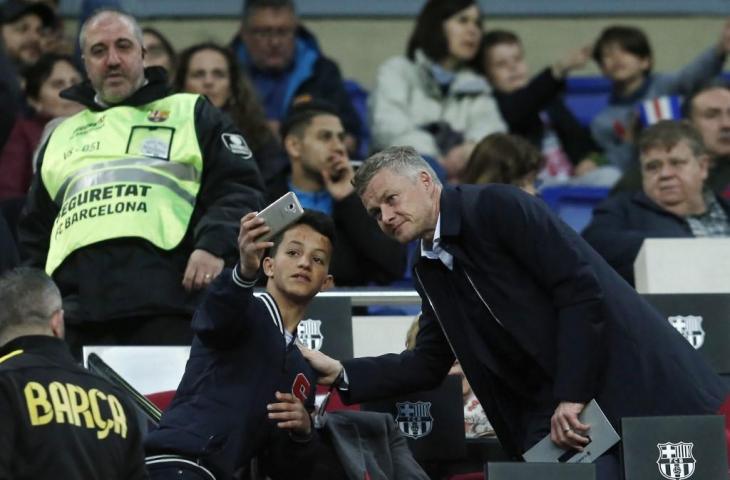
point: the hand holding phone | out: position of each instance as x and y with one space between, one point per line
279 215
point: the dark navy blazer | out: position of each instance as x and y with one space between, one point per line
536 317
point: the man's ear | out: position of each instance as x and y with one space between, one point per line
57 324
268 266
293 146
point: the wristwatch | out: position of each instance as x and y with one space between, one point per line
341 382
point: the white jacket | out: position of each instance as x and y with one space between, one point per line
407 97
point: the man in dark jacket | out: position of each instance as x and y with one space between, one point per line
674 201
58 420
321 175
284 62
538 321
136 203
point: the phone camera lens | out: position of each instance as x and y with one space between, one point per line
291 207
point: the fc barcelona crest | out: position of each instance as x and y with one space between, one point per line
676 461
414 419
690 326
158 116
309 333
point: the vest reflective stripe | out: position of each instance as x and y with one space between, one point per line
177 170
126 172
125 175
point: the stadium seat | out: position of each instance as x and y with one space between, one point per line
359 98
574 205
586 96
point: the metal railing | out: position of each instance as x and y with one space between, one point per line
374 296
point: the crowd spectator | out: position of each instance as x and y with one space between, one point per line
321 175
54 38
674 201
286 65
504 158
21 26
624 56
210 70
534 108
136 203
58 420
44 80
431 98
159 52
708 110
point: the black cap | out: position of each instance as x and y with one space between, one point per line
12 10
304 109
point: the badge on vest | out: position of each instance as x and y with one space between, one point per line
151 142
158 116
236 144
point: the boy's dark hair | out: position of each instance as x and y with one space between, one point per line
630 39
428 34
36 75
498 37
301 114
318 221
502 158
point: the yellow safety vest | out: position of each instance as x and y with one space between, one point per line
123 172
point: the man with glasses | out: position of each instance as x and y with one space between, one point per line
674 200
286 65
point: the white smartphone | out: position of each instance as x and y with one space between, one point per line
280 214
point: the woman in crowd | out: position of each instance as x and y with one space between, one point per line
43 83
211 70
159 50
432 98
503 158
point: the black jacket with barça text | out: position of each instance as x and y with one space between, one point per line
59 421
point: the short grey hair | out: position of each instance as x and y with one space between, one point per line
29 298
104 12
401 160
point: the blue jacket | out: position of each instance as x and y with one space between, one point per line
621 223
238 359
536 316
311 74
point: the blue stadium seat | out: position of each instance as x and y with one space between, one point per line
574 205
359 98
586 96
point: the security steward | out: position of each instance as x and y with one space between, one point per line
136 203
58 420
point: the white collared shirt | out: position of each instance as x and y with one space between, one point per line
436 252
